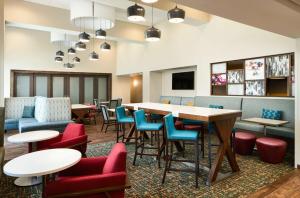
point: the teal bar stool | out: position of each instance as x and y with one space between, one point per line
142 127
174 135
122 120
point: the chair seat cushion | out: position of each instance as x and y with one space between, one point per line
126 120
271 142
281 131
184 135
150 126
11 124
248 126
11 121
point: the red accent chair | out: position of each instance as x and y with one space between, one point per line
244 143
73 137
271 150
92 177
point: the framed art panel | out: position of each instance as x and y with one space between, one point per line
235 76
255 69
278 66
218 79
255 88
236 89
219 68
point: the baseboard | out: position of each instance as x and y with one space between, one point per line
298 166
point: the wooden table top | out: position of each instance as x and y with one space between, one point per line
80 106
265 121
189 112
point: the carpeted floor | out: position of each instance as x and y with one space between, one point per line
145 177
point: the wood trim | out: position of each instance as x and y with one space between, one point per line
81 89
95 87
298 166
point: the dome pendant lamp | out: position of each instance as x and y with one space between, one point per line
76 60
100 34
136 13
84 37
80 46
94 56
71 51
176 15
105 46
60 53
152 34
58 59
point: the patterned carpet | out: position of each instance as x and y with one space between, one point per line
145 177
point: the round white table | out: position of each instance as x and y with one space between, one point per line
31 137
42 163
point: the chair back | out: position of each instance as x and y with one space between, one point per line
96 102
73 130
104 111
113 104
215 106
120 113
116 160
119 101
139 118
169 124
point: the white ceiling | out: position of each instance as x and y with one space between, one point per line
120 5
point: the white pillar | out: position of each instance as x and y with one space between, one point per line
146 86
297 103
2 32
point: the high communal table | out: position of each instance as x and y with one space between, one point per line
222 119
32 138
42 163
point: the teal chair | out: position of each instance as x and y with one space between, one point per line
122 120
174 135
142 127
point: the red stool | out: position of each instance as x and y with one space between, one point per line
199 129
244 143
271 150
179 125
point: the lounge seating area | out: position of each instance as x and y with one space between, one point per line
149 98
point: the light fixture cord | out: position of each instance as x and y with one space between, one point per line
152 14
93 24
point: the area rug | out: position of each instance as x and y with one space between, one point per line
145 177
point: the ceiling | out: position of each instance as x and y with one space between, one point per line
279 16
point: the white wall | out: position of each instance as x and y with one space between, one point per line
297 104
167 83
183 45
32 50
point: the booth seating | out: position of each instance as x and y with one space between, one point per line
73 137
101 177
244 143
271 150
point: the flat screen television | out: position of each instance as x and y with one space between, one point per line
183 81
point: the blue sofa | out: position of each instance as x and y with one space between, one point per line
250 107
45 117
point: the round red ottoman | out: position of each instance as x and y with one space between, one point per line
179 125
244 143
271 150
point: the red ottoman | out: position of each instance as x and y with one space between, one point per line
179 125
244 143
271 150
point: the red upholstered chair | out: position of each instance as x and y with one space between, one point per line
73 137
92 177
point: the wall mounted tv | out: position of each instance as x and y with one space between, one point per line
183 81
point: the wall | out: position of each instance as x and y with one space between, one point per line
182 45
32 50
167 83
297 104
2 35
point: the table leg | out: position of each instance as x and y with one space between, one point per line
224 130
131 131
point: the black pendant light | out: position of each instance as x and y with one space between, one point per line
152 34
176 15
60 53
71 51
94 56
100 34
58 59
80 46
76 60
105 46
84 37
69 65
136 13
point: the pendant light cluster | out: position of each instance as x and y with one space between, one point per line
136 13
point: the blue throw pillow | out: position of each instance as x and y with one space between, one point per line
216 106
271 114
28 112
